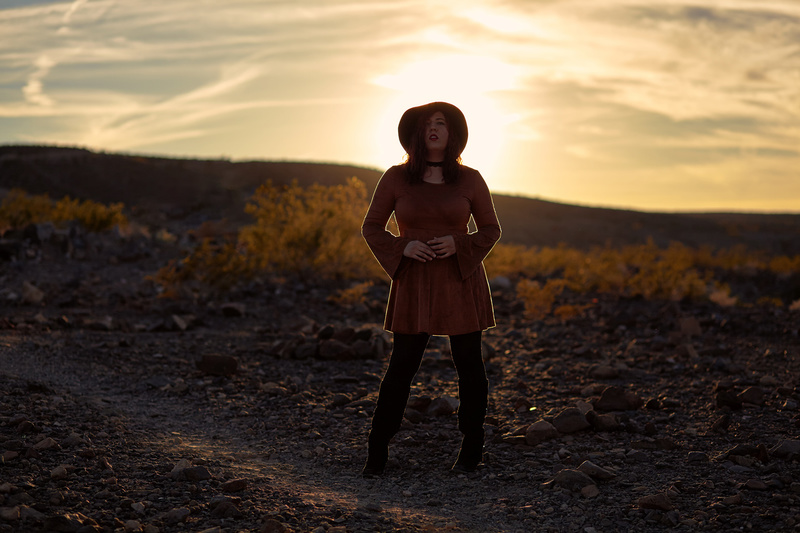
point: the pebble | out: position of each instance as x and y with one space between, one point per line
637 456
572 480
234 485
590 491
570 420
59 472
176 516
218 364
539 432
271 525
618 399
47 443
660 501
603 422
786 449
752 395
755 484
596 472
442 406
697 457
133 526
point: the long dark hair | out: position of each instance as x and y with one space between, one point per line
416 160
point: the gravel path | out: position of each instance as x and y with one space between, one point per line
638 416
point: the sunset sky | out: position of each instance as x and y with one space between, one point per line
658 105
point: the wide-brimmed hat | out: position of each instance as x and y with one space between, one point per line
455 122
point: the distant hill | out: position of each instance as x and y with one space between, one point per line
196 189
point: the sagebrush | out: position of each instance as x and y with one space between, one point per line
19 209
314 233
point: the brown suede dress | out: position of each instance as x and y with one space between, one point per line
442 296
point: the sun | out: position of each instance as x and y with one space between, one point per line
469 82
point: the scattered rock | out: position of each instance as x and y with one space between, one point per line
67 522
697 457
9 514
757 451
226 509
603 421
661 502
690 327
294 399
726 398
752 395
590 491
333 349
196 473
787 449
48 443
604 372
271 525
232 309
234 485
442 406
570 420
755 484
539 432
596 472
218 365
59 472
618 399
571 480
185 470
31 294
177 516
721 424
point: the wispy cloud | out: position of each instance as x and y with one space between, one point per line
581 88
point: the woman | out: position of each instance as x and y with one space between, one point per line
439 286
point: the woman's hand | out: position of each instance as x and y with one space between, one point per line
443 246
420 251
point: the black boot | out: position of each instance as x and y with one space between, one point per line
471 415
470 455
392 398
377 456
473 393
386 421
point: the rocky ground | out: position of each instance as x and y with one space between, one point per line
249 412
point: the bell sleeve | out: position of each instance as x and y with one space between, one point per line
386 247
472 248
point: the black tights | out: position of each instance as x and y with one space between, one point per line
473 387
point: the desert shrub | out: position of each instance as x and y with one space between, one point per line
312 232
668 273
785 265
513 260
769 301
354 294
20 209
214 265
567 311
539 298
601 270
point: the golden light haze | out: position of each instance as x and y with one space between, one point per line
651 104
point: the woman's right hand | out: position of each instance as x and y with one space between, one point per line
420 251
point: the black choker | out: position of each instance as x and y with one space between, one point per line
434 163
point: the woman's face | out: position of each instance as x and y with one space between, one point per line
436 134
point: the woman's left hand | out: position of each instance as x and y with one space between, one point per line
443 246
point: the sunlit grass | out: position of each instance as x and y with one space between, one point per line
20 209
314 233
